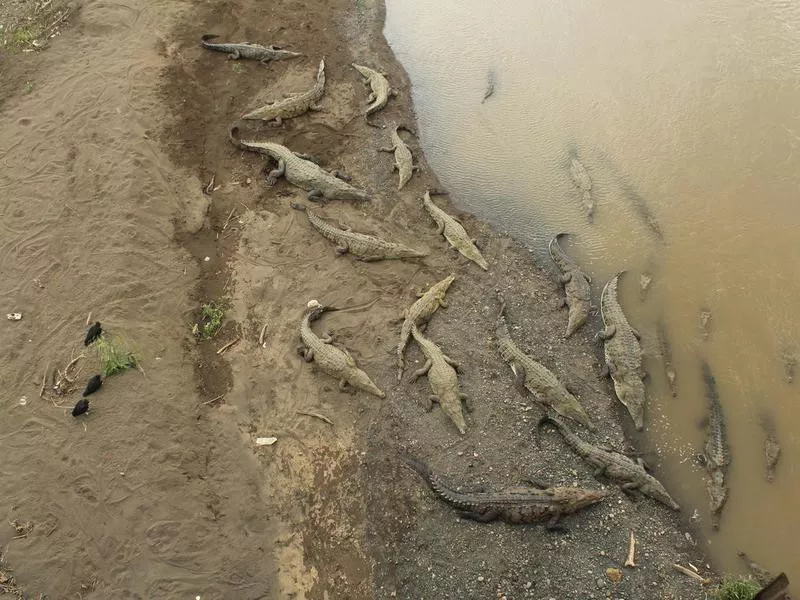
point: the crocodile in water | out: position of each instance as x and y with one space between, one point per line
576 286
512 504
772 449
443 379
301 172
403 161
629 473
623 353
716 452
454 232
419 314
583 182
537 378
293 106
665 349
381 90
335 361
248 50
366 247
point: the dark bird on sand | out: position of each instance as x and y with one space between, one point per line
81 407
93 385
94 332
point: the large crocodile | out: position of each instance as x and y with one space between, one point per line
716 452
264 54
403 161
454 232
614 465
583 182
665 349
537 378
443 379
293 106
512 504
299 171
366 247
336 362
623 353
419 314
381 90
576 286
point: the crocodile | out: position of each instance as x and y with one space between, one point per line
772 449
300 171
366 247
614 465
403 161
537 378
623 353
381 90
419 314
665 349
704 323
454 232
716 452
264 54
583 182
576 286
293 106
512 504
760 574
335 361
443 379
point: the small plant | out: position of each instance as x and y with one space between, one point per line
237 67
114 355
22 37
211 316
736 589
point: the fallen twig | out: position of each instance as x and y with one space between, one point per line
228 220
315 415
210 187
228 345
207 402
89 318
630 561
261 335
690 573
44 380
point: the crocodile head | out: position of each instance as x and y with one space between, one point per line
572 499
630 392
452 408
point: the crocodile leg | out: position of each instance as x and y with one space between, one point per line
599 472
234 55
273 176
306 353
561 303
554 524
607 333
315 195
342 385
342 176
451 362
566 277
636 333
427 403
420 372
440 228
393 93
277 122
519 377
387 149
340 250
480 517
442 303
467 402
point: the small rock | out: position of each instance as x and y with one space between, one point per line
614 575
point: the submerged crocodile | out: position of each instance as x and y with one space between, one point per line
623 353
665 349
583 182
381 90
366 247
419 314
576 286
614 465
716 452
403 161
772 449
537 378
512 504
454 232
258 52
299 171
293 106
443 379
336 362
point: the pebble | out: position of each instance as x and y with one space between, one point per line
480 577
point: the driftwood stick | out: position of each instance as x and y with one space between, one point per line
261 335
228 345
630 561
315 415
228 220
690 573
207 402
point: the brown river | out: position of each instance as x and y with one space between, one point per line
680 122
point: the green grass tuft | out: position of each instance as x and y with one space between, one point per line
114 354
737 589
211 316
237 67
22 37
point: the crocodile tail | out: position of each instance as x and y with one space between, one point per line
298 206
419 467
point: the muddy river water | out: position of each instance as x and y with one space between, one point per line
681 121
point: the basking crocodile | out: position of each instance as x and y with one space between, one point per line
454 232
512 504
537 378
772 449
403 161
614 465
623 354
716 452
442 376
583 182
299 171
294 106
381 90
419 314
576 286
665 349
366 247
336 362
258 52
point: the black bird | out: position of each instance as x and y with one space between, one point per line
81 407
93 385
94 332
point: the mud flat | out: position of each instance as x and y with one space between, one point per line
165 492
